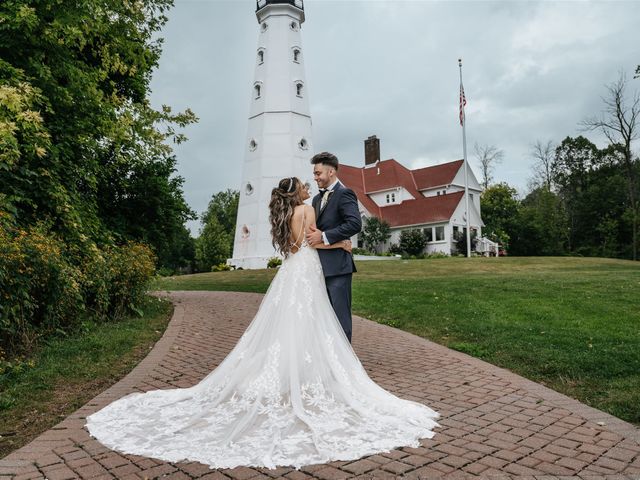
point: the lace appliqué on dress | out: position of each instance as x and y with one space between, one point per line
292 392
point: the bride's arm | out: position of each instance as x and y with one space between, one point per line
344 244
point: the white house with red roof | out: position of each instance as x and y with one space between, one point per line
430 198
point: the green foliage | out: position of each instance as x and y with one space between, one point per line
215 243
84 149
460 241
274 262
375 232
221 267
500 212
542 228
87 172
48 287
413 241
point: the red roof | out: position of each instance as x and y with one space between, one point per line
437 175
364 181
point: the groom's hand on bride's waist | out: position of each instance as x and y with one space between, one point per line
314 236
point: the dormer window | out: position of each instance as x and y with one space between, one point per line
391 197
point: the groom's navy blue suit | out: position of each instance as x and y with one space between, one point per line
339 220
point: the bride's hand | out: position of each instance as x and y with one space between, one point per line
346 245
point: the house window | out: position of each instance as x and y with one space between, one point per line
296 55
471 197
428 232
393 198
438 192
440 233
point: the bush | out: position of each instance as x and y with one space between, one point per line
460 239
48 287
221 267
413 242
274 262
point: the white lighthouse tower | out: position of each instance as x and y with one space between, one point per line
278 140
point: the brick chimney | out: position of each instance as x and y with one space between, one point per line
371 150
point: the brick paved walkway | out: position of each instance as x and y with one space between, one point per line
494 424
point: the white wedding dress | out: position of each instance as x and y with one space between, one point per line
291 393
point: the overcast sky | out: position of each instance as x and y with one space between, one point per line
532 70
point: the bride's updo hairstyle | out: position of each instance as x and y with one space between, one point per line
284 198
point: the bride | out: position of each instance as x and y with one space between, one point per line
291 392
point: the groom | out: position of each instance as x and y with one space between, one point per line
337 218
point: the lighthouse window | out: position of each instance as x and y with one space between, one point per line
257 89
260 56
263 27
253 145
299 89
294 26
296 55
303 144
248 189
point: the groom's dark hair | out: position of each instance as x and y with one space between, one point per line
325 158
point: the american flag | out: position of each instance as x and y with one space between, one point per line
463 103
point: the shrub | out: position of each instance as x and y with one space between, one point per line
48 287
40 289
274 262
413 242
221 267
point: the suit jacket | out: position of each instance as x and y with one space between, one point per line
339 220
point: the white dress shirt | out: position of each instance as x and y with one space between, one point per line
329 188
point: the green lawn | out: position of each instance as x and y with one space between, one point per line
68 371
572 324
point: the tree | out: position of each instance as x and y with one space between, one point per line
224 207
488 157
89 64
620 123
500 209
543 156
542 227
218 224
375 232
413 241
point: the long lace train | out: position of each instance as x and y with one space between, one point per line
292 392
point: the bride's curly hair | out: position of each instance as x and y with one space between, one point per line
284 198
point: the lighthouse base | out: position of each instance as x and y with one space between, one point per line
249 263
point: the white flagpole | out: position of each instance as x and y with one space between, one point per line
464 162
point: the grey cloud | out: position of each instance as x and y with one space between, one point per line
532 70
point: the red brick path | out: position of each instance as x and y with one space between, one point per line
494 424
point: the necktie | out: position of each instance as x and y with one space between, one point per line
325 197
